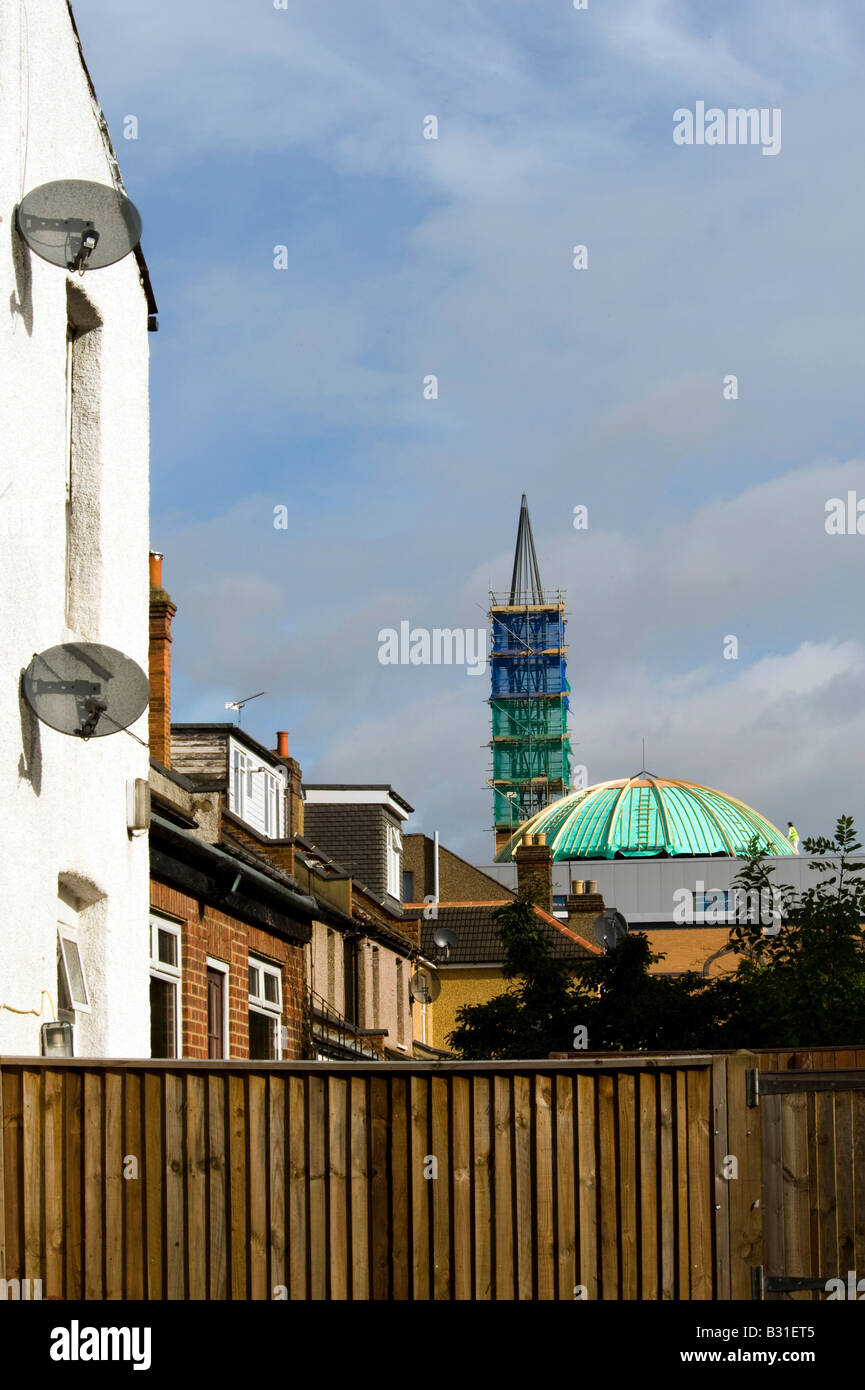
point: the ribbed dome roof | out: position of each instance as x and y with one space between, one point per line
648 817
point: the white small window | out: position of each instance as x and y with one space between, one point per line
241 780
165 976
272 803
394 861
74 996
265 1010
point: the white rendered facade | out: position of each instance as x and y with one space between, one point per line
69 570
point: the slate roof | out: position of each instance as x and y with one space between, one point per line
478 940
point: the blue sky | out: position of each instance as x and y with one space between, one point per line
304 127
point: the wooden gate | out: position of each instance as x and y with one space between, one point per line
813 1125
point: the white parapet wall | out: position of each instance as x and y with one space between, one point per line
68 572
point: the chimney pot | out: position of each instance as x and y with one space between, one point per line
282 743
156 569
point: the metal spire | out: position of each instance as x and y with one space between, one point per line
526 578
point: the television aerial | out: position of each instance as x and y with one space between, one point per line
424 986
79 225
85 689
238 704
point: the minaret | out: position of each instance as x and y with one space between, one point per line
528 696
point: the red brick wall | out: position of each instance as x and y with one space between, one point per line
206 931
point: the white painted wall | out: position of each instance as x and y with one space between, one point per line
62 801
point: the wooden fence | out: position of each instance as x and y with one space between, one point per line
601 1177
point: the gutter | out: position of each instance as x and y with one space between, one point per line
298 904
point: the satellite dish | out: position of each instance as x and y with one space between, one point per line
445 938
424 986
610 928
85 689
79 225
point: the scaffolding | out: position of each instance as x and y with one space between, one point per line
528 692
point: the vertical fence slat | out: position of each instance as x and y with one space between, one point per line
55 1222
237 1189
258 1168
608 1188
628 1180
699 1183
441 1185
11 1139
317 1181
298 1282
196 1185
175 1185
720 1152
217 1186
566 1211
844 1181
359 1191
647 1111
461 1197
94 1231
74 1179
154 1183
133 1186
797 1221
277 1184
666 1149
545 1240
483 1193
420 1200
522 1128
114 1181
504 1206
379 1205
683 1234
337 1183
400 1205
827 1200
587 1185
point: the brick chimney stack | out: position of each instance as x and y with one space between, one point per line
584 908
534 860
162 611
295 793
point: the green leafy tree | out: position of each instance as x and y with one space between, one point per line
802 978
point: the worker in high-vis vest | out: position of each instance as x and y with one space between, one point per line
793 835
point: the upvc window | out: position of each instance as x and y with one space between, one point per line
265 1010
165 976
240 782
394 861
272 800
71 981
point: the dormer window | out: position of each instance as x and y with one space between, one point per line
394 862
257 793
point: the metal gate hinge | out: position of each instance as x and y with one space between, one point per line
752 1087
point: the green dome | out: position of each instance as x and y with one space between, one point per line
645 817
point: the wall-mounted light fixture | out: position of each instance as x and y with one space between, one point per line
56 1039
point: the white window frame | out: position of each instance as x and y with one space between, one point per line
394 862
170 974
273 789
241 781
67 935
221 966
258 1004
